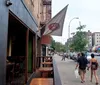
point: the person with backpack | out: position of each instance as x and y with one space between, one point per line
82 64
94 66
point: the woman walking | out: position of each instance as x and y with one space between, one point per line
94 67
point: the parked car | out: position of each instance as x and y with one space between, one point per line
73 56
88 56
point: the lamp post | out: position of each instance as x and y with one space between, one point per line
69 26
69 30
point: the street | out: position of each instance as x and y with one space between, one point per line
66 71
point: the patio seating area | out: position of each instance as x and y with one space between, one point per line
46 72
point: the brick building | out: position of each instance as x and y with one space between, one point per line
20 43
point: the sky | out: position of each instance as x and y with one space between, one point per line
88 12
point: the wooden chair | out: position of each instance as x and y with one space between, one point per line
45 71
46 64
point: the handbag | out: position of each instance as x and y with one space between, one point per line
76 73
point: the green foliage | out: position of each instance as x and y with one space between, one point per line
63 49
53 44
79 40
81 27
59 47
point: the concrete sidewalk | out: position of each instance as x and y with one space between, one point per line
66 71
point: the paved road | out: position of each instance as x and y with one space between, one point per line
66 71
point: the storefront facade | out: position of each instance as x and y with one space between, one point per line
17 39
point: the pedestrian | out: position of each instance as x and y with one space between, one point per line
82 64
94 66
78 56
63 56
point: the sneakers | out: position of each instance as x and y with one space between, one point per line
96 83
82 81
90 81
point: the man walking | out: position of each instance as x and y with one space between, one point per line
82 64
63 56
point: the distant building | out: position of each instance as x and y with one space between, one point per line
93 39
96 38
69 41
89 38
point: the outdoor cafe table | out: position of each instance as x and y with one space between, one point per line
45 70
42 81
46 63
48 60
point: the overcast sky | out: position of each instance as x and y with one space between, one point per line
88 12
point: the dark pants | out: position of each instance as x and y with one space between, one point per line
63 58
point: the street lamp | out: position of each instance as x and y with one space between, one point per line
69 26
69 30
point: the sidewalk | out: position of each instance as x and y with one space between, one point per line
66 71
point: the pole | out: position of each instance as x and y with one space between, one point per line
69 31
80 23
69 26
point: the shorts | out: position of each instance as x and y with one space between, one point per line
81 71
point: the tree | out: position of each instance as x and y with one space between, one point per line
63 49
57 46
81 27
79 40
53 44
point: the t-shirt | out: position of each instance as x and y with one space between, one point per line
82 62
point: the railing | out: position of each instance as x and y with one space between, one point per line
42 59
49 11
56 77
42 23
39 60
45 2
57 80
